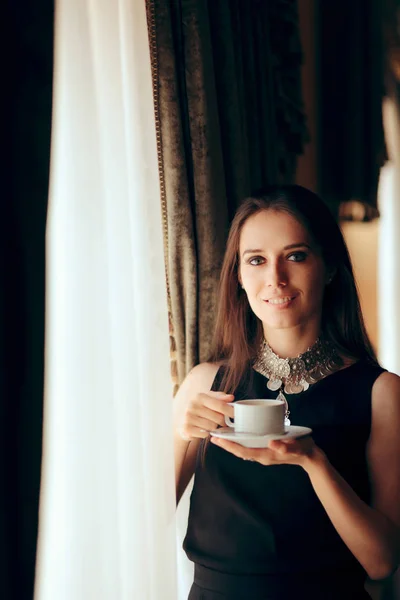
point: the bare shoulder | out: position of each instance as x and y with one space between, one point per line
198 381
383 451
386 390
201 377
385 403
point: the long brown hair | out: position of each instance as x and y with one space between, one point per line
239 332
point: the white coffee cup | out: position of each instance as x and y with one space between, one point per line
261 417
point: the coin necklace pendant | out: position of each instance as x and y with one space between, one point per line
281 397
295 375
275 385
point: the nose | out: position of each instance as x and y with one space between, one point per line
276 275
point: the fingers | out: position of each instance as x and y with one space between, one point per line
217 403
292 447
216 418
197 426
204 413
262 455
281 448
191 432
221 395
291 451
206 424
212 408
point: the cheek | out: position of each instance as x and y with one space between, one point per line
252 280
246 275
315 279
315 285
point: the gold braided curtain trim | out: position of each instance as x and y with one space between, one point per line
152 33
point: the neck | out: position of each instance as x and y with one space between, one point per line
288 343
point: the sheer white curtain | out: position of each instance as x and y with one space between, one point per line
107 513
389 244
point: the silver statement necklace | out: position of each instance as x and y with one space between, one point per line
295 375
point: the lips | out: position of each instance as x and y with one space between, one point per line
279 300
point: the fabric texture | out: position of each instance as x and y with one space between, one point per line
249 520
350 79
333 585
230 116
107 503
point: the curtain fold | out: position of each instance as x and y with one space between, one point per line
228 98
389 246
107 506
350 80
230 119
389 196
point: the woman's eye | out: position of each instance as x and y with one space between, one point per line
297 256
255 261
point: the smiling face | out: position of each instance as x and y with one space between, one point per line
282 272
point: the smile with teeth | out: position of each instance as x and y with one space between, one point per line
283 300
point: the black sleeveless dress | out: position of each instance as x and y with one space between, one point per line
260 532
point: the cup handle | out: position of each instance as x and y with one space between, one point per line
228 420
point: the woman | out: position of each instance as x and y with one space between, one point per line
309 517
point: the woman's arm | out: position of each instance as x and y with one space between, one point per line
196 411
371 533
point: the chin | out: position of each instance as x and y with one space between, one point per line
282 320
282 324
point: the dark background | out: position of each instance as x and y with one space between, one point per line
27 66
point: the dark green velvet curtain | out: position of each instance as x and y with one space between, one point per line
230 119
27 92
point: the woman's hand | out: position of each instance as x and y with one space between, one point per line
203 413
301 451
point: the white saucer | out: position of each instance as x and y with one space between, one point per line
259 441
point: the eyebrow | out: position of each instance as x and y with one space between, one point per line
289 247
